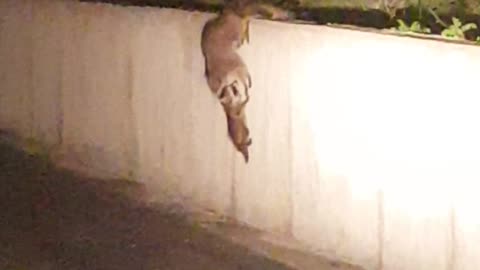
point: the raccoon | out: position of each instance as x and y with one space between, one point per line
225 32
231 28
221 37
238 130
230 74
226 73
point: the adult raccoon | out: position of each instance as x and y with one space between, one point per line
225 70
223 35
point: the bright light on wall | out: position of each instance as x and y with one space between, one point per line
414 134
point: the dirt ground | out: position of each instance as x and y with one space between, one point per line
54 219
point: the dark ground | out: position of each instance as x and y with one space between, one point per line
53 219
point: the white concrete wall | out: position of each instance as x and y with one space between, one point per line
365 146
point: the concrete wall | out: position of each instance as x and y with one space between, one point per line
365 146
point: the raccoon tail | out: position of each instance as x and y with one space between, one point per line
245 154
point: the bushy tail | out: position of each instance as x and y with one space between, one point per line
245 154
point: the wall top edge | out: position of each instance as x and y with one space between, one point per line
294 23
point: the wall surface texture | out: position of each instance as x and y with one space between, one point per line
365 146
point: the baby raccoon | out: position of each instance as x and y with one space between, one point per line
229 70
236 120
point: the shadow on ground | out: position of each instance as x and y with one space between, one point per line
53 219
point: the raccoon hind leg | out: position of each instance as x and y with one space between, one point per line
245 35
206 73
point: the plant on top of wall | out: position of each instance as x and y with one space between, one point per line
415 27
457 29
454 31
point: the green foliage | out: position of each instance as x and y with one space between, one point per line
457 29
415 27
